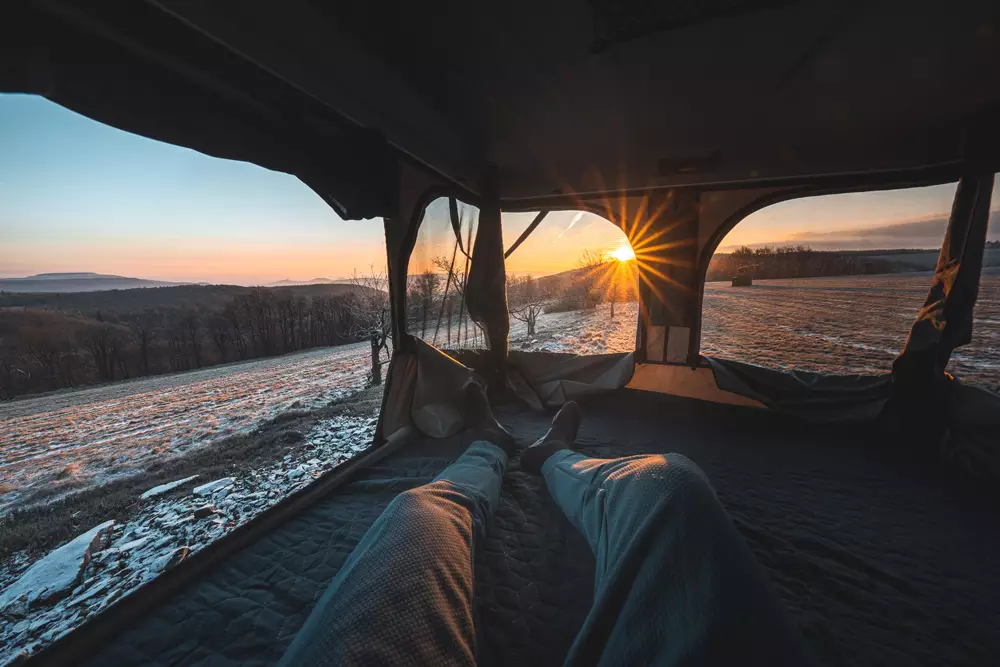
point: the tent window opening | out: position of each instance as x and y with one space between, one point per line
571 283
184 336
438 274
828 284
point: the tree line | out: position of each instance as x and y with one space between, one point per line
798 261
43 349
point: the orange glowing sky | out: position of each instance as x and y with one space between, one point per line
76 195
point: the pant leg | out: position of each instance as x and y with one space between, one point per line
676 584
405 594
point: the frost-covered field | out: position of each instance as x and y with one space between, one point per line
69 440
56 444
829 325
841 325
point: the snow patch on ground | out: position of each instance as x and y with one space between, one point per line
164 488
52 578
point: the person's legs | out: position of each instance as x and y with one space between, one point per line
405 594
675 582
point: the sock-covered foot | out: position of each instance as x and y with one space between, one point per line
560 435
480 420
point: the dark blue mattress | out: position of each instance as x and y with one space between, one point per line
882 558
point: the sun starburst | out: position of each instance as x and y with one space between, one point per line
623 253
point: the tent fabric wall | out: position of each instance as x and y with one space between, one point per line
486 292
437 409
135 67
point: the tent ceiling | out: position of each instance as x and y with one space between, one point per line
564 96
579 96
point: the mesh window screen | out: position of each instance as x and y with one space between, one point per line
438 271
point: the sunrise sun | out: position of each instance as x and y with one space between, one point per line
622 253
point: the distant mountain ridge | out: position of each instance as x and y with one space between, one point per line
78 281
315 281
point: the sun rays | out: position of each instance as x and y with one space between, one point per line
647 260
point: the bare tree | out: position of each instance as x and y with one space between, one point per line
218 331
144 332
233 316
589 272
9 366
192 330
425 288
102 341
371 314
526 300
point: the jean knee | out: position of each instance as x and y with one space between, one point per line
683 468
422 508
659 469
672 475
688 485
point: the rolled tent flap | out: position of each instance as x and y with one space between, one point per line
814 397
969 444
921 409
945 321
557 378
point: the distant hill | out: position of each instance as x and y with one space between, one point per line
135 300
289 283
77 282
50 340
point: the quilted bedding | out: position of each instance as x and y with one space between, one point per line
880 558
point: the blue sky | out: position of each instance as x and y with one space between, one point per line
79 195
76 195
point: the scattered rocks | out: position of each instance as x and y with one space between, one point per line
167 530
212 487
133 544
94 591
204 511
169 560
164 488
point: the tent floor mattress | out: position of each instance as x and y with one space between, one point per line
880 557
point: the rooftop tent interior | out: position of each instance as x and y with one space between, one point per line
672 120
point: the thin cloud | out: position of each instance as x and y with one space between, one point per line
927 233
576 219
